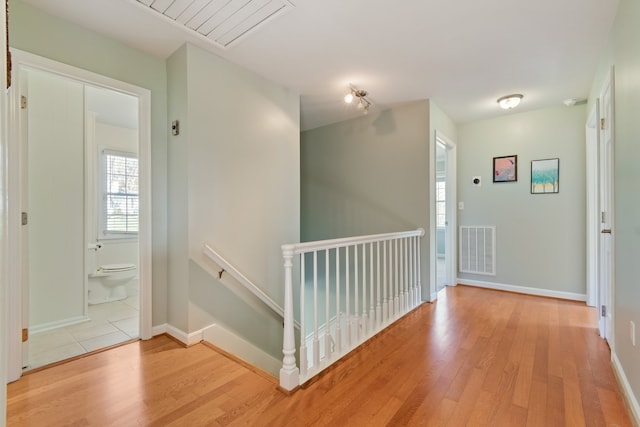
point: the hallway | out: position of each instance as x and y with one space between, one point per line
475 357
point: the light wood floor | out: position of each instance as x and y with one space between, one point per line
476 357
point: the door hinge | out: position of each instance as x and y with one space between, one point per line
603 217
603 311
25 218
602 123
23 102
25 334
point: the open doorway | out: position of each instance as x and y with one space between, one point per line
81 193
444 226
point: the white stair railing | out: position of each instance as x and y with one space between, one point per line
349 289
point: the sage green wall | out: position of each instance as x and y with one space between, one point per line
622 52
539 238
42 34
177 212
234 173
368 175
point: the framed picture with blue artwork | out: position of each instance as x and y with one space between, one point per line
505 169
545 176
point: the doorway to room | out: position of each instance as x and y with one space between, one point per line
444 226
80 188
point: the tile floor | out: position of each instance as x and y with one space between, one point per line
111 323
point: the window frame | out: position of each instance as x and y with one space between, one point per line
103 232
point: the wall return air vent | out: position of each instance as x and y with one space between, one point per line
221 21
477 250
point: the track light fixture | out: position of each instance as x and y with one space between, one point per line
360 96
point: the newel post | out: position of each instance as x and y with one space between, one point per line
289 374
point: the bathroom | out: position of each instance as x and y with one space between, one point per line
80 148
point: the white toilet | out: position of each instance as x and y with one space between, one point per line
108 282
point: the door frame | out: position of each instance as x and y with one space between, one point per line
451 203
593 204
14 298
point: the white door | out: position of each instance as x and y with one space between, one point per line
606 253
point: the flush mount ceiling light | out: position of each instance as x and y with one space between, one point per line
509 101
360 96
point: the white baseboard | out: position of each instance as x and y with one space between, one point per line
231 343
227 341
57 324
627 392
524 290
159 330
183 337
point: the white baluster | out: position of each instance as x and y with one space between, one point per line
396 294
365 322
403 308
416 295
316 341
347 297
371 294
391 275
419 273
327 325
338 319
356 308
304 357
406 274
385 303
379 305
289 373
410 270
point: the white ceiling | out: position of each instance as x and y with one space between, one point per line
462 54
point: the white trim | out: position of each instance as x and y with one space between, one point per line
14 299
451 242
627 391
593 223
57 324
226 266
4 282
183 337
524 290
159 329
226 340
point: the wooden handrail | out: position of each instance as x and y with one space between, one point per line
242 279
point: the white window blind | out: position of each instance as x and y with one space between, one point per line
441 203
120 193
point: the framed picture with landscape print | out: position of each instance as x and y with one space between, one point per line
505 169
545 176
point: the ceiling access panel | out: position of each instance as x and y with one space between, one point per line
223 22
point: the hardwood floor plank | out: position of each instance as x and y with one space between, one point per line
536 415
475 357
554 413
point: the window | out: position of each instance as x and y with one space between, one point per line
119 194
441 204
